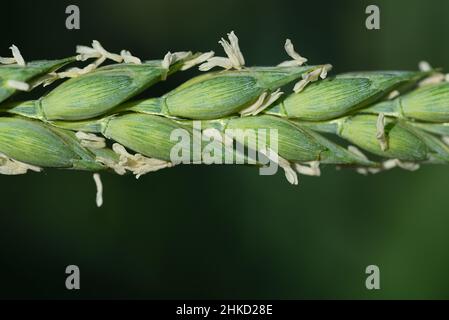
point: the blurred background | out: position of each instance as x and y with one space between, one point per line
224 231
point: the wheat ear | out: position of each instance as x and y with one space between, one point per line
93 122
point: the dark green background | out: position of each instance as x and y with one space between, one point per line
226 232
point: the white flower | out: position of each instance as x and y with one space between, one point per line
234 58
90 140
129 58
16 57
10 166
313 76
298 60
380 132
263 102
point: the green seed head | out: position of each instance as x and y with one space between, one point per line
146 134
34 143
218 94
402 143
428 103
100 91
150 135
334 97
294 143
213 95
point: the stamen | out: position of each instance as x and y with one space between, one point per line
120 170
433 79
17 55
298 60
362 170
18 85
198 60
137 163
99 186
74 72
7 60
90 140
312 77
290 174
85 52
256 105
112 56
263 102
171 58
10 166
129 58
380 134
313 169
224 63
357 152
424 66
392 163
234 58
235 52
393 94
97 51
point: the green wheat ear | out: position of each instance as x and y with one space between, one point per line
94 121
